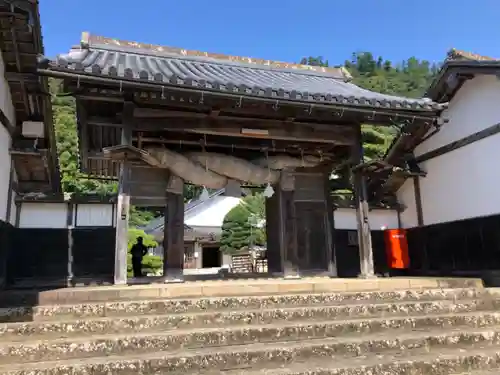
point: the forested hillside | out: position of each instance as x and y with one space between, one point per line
408 78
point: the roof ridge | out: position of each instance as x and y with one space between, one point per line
457 54
89 40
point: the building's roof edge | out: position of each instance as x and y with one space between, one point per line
457 54
89 40
465 66
31 45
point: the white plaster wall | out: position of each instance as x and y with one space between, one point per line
5 141
464 183
94 215
43 215
345 218
406 196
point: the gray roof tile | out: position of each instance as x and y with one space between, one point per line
233 75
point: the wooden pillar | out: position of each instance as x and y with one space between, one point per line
70 224
173 231
360 193
281 228
330 225
123 204
173 238
273 230
288 227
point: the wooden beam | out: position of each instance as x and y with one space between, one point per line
99 98
4 120
244 145
283 130
163 114
153 113
17 77
482 134
19 65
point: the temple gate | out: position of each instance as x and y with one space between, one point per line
155 118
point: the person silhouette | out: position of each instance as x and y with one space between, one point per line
138 251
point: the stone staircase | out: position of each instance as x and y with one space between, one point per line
433 331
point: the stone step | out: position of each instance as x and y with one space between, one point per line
191 305
225 288
481 361
149 323
409 354
81 347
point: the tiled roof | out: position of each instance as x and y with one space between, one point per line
456 54
111 58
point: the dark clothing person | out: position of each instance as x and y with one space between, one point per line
137 266
138 251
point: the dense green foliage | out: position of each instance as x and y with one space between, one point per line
73 181
408 78
243 225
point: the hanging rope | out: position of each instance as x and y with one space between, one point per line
204 193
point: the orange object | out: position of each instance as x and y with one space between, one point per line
396 248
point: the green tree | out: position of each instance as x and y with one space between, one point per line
73 181
243 225
314 61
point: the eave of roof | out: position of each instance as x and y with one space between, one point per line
170 67
25 14
462 62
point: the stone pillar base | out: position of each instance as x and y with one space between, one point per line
332 270
174 276
367 276
290 272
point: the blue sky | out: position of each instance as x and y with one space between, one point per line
283 30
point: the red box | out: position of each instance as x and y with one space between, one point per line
396 248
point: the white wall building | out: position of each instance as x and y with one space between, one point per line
460 184
456 207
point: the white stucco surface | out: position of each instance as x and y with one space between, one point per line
94 215
5 142
461 184
345 218
43 215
